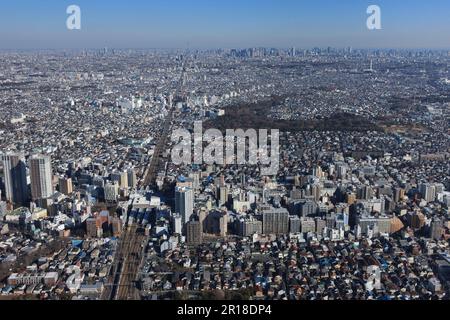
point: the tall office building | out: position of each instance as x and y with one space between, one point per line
184 203
41 177
14 169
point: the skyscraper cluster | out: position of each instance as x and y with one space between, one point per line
15 178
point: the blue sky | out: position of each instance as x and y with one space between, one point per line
26 24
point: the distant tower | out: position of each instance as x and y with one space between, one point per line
41 177
15 178
371 65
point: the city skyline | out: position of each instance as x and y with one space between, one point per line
200 24
231 150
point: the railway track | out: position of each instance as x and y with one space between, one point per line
123 278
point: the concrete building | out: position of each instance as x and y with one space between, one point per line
275 221
41 177
246 228
294 224
308 225
194 234
111 192
184 203
65 185
91 227
15 177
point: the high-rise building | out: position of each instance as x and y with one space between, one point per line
132 180
223 195
341 170
14 169
223 222
194 234
41 177
308 225
184 203
123 183
428 192
111 192
415 219
177 226
365 193
320 225
294 224
246 228
91 227
303 207
202 215
399 194
65 185
195 176
116 226
98 181
436 229
275 221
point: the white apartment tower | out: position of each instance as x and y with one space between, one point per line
184 203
